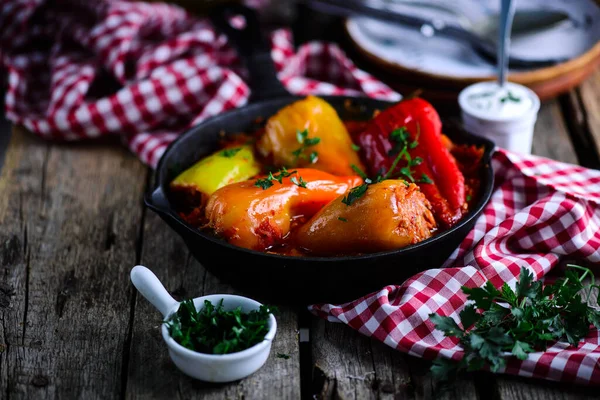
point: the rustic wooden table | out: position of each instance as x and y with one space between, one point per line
73 224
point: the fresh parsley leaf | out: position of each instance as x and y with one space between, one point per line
510 97
523 287
407 173
311 141
342 219
301 135
213 330
265 183
517 322
355 193
299 182
306 142
446 325
230 152
521 349
425 179
355 147
469 316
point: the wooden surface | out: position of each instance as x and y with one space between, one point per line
72 225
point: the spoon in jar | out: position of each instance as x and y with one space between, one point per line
507 14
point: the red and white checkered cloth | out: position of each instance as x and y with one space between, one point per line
540 210
148 71
144 71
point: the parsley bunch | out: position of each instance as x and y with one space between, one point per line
500 323
215 331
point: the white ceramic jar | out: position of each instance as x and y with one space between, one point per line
504 114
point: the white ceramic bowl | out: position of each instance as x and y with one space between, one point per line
206 367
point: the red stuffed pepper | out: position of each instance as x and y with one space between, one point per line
405 141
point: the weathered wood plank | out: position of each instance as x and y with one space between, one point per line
151 372
348 365
551 138
70 216
590 101
580 108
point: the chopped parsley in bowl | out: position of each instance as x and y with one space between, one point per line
213 330
220 337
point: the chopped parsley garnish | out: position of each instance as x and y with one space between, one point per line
527 319
355 147
401 137
230 152
299 182
342 219
265 183
424 179
306 142
356 193
510 97
468 197
213 330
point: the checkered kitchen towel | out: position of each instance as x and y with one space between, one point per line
148 71
144 71
540 210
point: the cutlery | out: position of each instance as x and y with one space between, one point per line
507 14
482 36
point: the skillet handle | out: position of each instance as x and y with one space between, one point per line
157 201
253 49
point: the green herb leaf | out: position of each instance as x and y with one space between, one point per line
355 193
469 316
230 152
517 322
299 182
342 219
213 330
301 135
520 350
425 179
284 356
355 147
446 325
306 142
265 183
510 97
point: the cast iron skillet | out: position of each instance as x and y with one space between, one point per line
284 279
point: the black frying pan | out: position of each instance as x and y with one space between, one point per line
286 279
